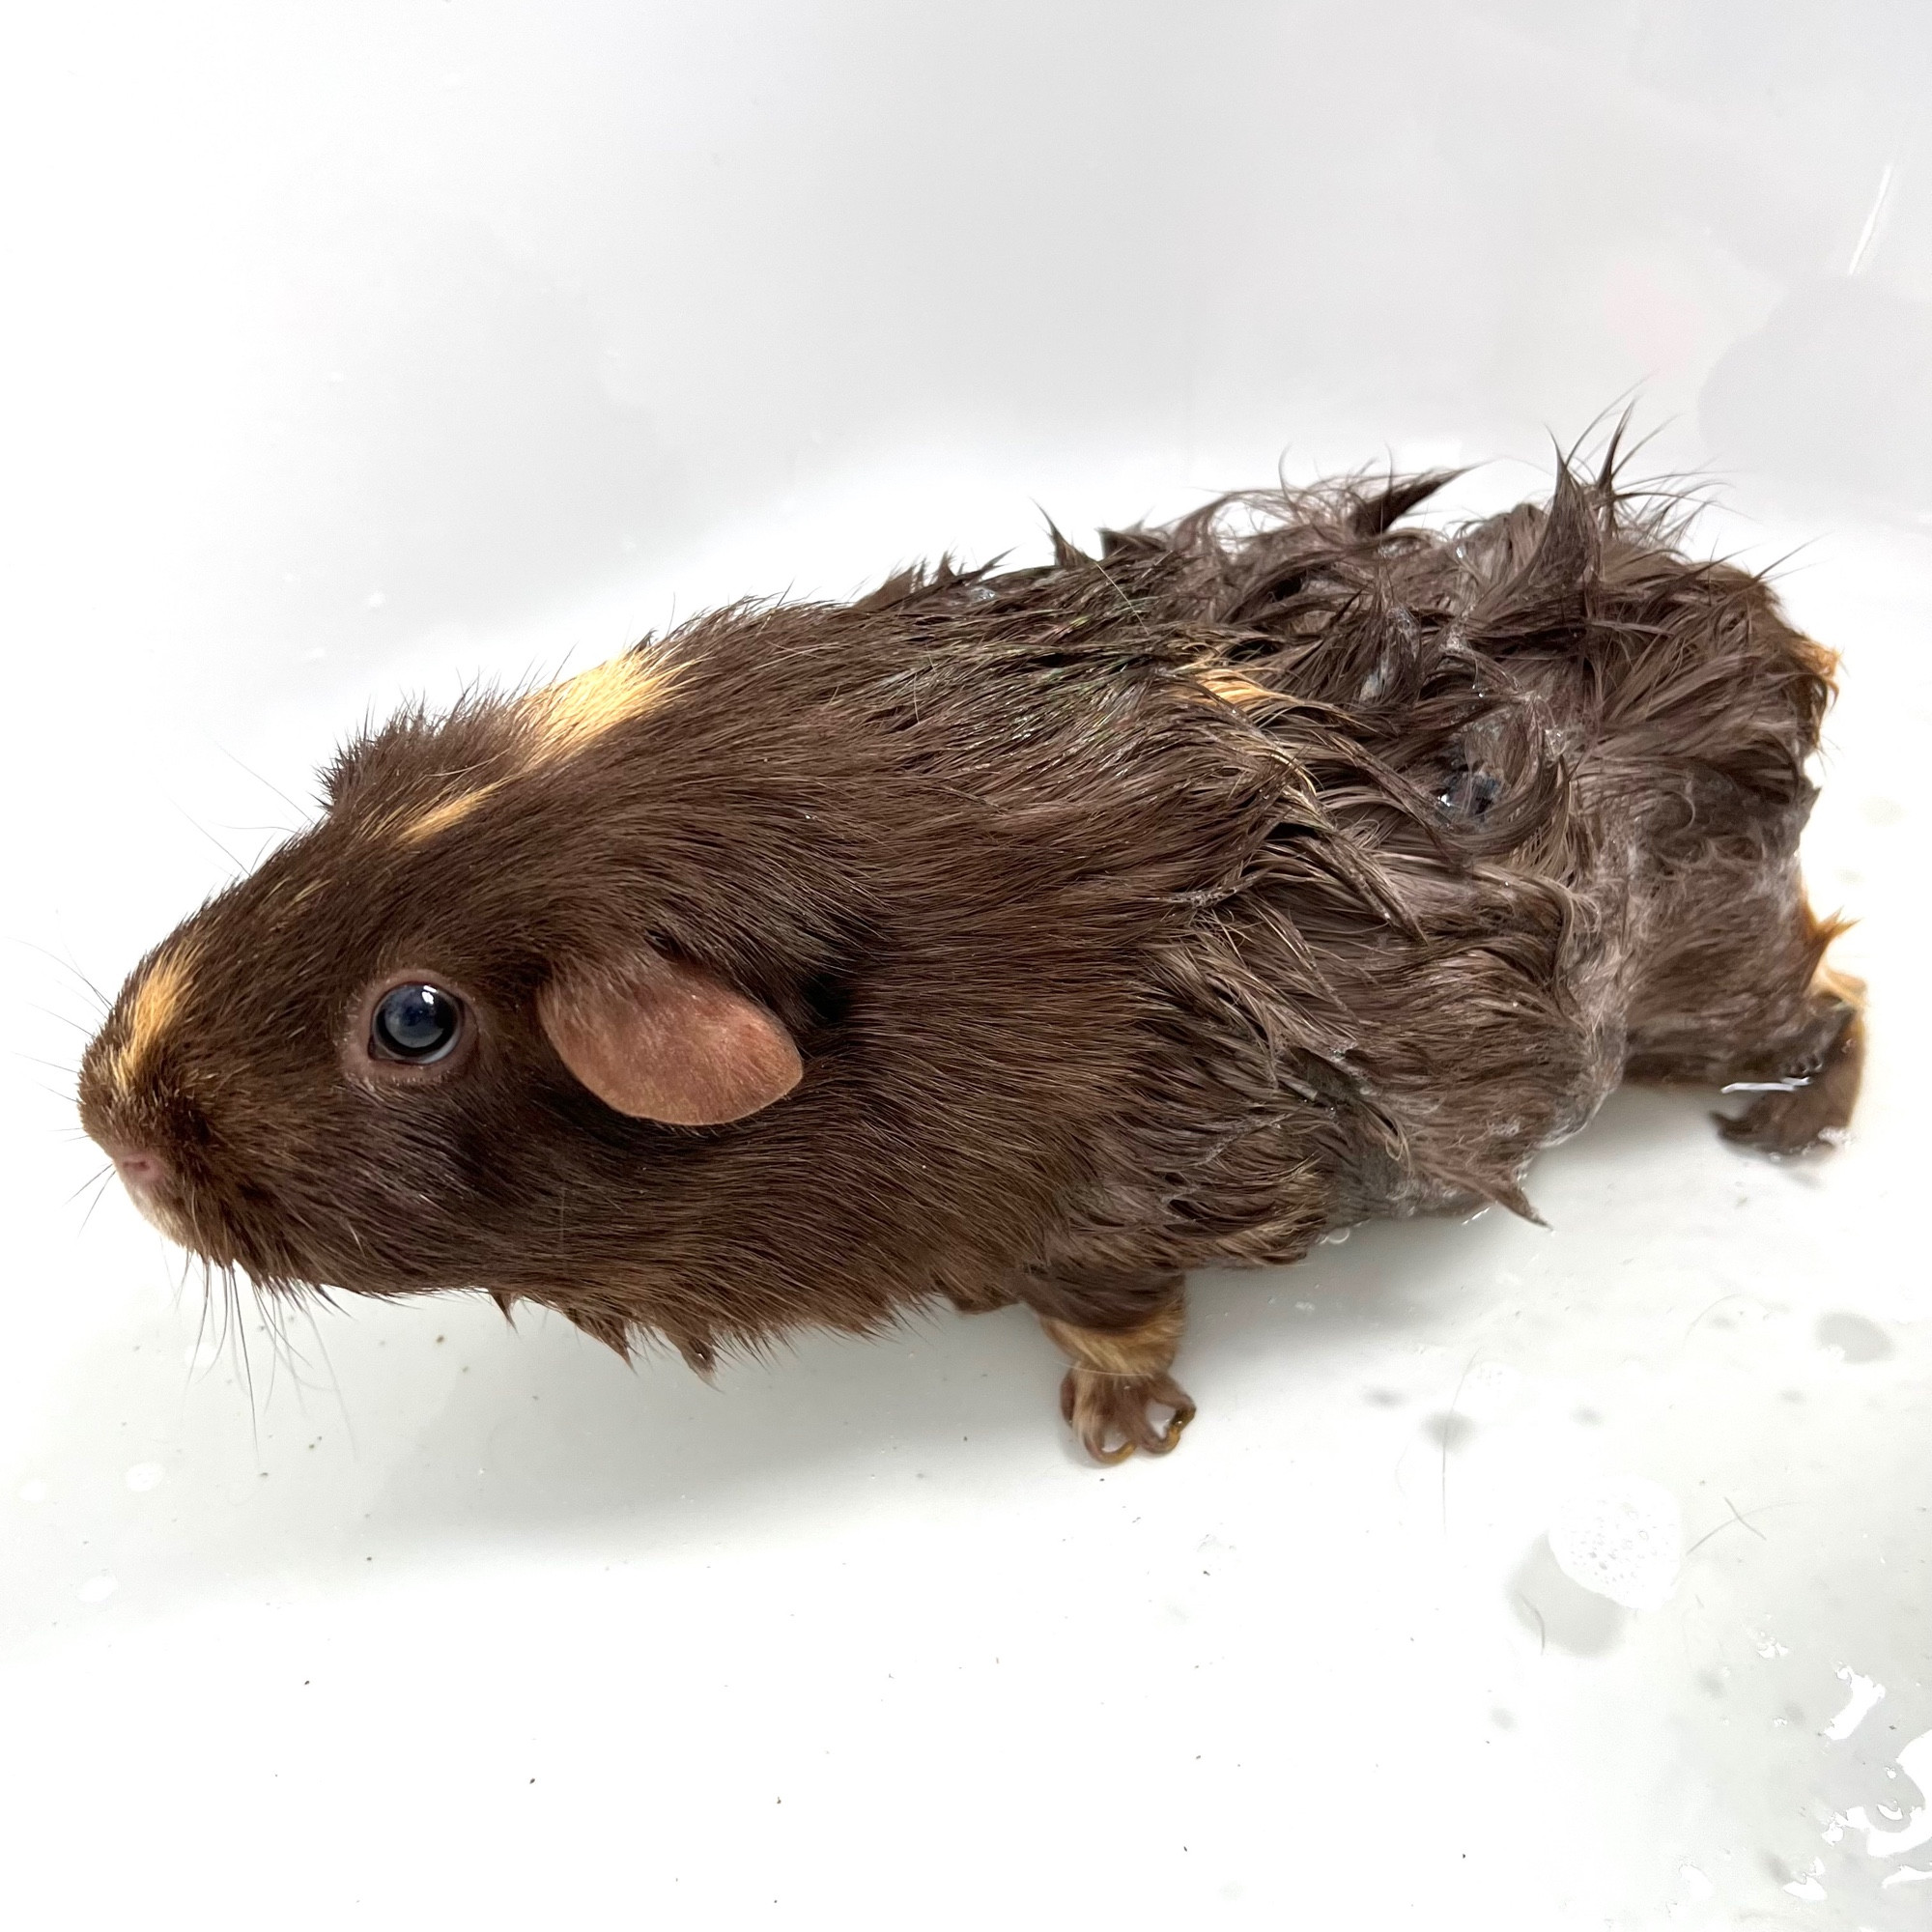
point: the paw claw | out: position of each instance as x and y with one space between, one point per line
1113 1415
1815 1110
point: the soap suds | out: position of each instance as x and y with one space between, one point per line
1622 1538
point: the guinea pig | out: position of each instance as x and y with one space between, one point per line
1030 935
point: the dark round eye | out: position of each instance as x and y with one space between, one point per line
416 1023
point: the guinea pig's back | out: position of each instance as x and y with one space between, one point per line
1549 737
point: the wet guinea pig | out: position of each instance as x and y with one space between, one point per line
1029 936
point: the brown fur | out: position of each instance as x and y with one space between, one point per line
1273 869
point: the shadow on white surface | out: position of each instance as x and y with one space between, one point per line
869 1562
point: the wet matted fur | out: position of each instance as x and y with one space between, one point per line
1278 867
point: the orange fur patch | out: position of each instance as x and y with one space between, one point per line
439 817
565 717
156 1003
1233 686
560 720
1836 984
1820 660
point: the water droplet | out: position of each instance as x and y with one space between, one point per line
144 1477
1865 1694
1853 1338
1448 1432
33 1492
97 1589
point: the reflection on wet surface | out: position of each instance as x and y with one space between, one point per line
1614 1532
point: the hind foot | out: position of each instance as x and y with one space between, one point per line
1119 1381
1813 1107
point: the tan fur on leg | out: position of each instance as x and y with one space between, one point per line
1119 1377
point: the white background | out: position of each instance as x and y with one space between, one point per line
355 349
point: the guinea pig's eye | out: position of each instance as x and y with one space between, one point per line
416 1023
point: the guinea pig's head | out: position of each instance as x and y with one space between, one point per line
431 1036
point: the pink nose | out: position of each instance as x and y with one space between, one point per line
139 1170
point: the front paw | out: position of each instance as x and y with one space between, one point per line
1114 1414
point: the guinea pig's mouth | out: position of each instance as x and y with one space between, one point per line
151 1184
165 1215
217 1233
163 1209
167 1202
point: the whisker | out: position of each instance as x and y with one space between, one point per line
209 836
271 1304
334 1381
86 1032
99 1195
240 1336
278 1357
298 809
53 1065
99 1173
207 1298
68 966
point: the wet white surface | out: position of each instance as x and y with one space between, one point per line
1509 1577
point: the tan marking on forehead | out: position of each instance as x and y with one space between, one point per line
567 716
157 1001
441 817
557 721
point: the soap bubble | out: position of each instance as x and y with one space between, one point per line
1622 1538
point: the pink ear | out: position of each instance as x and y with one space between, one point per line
664 1041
